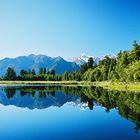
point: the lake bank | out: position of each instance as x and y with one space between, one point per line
119 85
38 82
105 84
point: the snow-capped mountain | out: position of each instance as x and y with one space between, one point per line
109 55
83 58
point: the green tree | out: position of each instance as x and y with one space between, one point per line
97 75
137 76
135 53
44 70
41 71
83 68
10 74
65 76
33 72
23 73
90 63
52 72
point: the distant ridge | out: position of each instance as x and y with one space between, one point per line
33 61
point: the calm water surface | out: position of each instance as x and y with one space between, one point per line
71 113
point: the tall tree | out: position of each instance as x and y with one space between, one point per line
10 74
52 72
84 68
23 73
42 71
135 53
33 72
90 63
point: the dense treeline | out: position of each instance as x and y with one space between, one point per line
124 67
31 75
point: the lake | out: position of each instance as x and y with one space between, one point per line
50 112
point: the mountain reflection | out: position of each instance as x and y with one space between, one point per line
40 97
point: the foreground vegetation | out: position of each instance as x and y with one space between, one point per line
120 86
125 67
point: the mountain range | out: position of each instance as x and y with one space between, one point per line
36 62
83 58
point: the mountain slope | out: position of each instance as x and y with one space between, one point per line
36 62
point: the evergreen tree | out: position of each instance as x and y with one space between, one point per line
83 68
90 63
52 72
23 73
33 72
10 74
44 70
41 71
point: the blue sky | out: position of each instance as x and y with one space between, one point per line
68 28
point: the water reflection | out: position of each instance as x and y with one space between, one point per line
40 97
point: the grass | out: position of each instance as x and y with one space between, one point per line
135 86
105 84
62 83
38 82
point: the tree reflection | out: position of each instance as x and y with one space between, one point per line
127 103
10 92
90 104
42 94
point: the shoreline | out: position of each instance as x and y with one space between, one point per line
120 86
105 84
